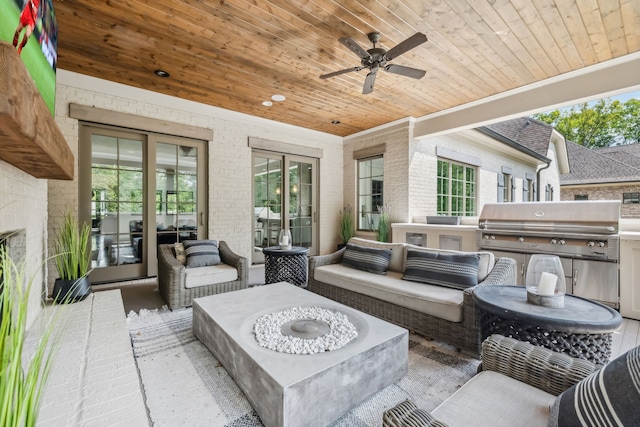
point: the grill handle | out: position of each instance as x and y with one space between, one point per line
575 279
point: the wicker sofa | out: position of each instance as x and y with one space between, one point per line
517 386
179 285
433 311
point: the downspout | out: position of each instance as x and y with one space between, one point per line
538 178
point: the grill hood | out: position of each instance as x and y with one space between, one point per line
577 217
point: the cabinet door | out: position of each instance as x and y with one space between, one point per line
596 280
521 264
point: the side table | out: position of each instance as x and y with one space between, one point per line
582 329
286 265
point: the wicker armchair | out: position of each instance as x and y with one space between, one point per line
171 277
543 373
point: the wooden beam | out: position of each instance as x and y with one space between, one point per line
30 138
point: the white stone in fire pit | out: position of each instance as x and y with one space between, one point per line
298 390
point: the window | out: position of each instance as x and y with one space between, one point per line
548 193
628 198
506 188
581 197
528 191
456 189
370 191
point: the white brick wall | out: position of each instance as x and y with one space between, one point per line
230 173
23 207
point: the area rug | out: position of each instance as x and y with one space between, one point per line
184 384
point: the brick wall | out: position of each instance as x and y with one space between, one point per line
23 213
230 169
607 192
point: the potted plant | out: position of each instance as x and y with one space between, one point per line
24 370
347 229
384 223
73 261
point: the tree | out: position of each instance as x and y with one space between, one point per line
607 122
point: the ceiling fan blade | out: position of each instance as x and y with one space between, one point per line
405 71
368 83
408 44
354 47
337 73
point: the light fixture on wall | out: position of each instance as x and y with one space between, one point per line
277 190
294 188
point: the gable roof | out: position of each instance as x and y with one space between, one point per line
530 133
616 164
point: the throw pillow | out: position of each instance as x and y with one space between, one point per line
373 260
180 255
608 397
408 414
201 253
458 271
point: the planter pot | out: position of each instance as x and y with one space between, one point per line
71 290
341 245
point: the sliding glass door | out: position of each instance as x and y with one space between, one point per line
283 200
139 190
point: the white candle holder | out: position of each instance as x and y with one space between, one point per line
545 281
284 239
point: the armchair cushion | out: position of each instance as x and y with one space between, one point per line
608 397
201 253
458 271
373 260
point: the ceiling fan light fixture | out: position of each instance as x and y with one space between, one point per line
161 73
278 98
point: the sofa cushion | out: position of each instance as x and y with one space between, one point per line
201 253
396 262
209 275
445 303
373 260
458 271
493 399
607 397
486 261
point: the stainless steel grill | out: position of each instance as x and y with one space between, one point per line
584 234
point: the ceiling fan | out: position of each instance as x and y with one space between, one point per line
377 58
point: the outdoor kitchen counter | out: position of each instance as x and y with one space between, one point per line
581 329
630 274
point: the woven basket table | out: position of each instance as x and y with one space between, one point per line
286 265
581 329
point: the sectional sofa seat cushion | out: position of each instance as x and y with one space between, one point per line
201 253
373 260
610 396
438 301
493 399
209 275
457 271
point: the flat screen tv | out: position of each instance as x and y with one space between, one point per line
31 26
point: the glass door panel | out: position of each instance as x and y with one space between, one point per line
117 194
267 206
301 203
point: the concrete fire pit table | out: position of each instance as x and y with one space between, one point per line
298 389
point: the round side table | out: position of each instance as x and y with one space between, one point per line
581 329
286 265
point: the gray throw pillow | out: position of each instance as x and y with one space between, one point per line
609 397
201 253
373 260
458 271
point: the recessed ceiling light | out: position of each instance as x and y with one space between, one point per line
161 73
278 98
267 103
335 122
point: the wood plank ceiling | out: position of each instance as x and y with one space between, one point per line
234 54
